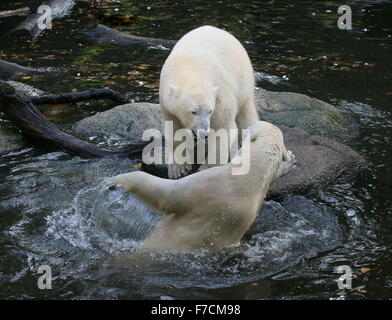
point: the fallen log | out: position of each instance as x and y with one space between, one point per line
79 96
10 70
29 28
17 12
24 115
103 33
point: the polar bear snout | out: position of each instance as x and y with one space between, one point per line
201 134
201 127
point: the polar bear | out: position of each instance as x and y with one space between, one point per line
212 208
206 82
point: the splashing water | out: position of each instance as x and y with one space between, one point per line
90 234
117 223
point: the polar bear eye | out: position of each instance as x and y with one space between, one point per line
194 112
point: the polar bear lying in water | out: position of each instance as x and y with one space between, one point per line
212 208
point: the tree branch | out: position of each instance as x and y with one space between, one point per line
9 70
29 28
17 12
34 125
103 33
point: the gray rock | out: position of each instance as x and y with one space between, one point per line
127 122
302 112
10 139
319 160
281 108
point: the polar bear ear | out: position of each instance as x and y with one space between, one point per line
173 90
215 91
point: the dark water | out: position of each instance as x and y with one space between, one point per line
55 209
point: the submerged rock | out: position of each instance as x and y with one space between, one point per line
10 139
299 223
319 159
299 111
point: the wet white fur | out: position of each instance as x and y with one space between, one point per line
208 69
212 208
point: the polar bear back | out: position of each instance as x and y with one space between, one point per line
224 60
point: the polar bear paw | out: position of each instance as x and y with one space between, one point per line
287 163
177 171
291 158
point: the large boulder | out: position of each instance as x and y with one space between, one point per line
299 111
287 109
126 122
319 159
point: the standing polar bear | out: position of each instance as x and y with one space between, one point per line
213 208
207 82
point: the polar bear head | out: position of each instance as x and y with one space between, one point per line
193 106
264 148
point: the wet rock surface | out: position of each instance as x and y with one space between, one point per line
126 122
300 111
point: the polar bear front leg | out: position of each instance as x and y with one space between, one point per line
127 181
175 170
160 194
